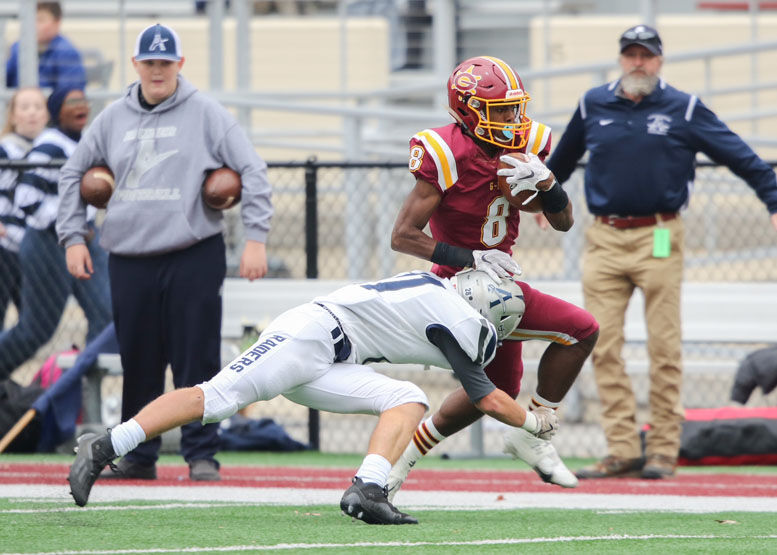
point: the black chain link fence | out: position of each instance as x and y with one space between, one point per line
334 220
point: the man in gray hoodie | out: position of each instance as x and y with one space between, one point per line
167 255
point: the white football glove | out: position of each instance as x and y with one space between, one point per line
523 176
549 419
541 422
496 264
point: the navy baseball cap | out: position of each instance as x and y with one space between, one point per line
158 42
643 36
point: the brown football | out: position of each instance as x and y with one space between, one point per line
221 189
535 205
97 186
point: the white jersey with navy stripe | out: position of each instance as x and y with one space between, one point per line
37 193
12 147
388 320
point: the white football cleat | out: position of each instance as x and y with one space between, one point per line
540 455
398 475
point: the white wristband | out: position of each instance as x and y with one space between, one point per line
530 424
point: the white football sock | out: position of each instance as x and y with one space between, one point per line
374 470
125 437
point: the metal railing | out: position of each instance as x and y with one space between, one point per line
376 123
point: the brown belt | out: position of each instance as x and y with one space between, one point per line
626 222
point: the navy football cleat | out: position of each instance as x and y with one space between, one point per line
369 503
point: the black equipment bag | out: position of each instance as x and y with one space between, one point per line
15 400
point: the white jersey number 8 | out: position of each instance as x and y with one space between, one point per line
495 225
416 158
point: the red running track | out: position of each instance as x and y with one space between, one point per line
742 485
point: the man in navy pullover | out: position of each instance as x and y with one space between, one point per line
642 136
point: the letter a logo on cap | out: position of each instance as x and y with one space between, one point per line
158 42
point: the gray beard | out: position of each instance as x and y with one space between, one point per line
638 85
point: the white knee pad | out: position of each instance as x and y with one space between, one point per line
217 405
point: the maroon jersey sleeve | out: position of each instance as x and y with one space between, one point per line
433 156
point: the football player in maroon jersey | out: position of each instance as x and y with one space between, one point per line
473 225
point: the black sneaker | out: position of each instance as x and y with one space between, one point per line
126 469
369 502
204 470
93 452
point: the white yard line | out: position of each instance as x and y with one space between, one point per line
407 500
361 545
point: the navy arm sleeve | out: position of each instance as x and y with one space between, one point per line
712 137
471 375
569 149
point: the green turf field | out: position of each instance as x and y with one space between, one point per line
177 527
221 526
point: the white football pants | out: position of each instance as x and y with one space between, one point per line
294 357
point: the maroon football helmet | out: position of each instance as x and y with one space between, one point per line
480 86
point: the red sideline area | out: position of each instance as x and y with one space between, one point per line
736 460
741 485
730 413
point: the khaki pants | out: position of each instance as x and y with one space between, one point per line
615 262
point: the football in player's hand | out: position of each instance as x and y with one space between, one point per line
517 200
97 186
221 189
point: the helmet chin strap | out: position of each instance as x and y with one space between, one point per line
456 116
467 131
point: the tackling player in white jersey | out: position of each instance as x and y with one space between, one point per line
315 355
